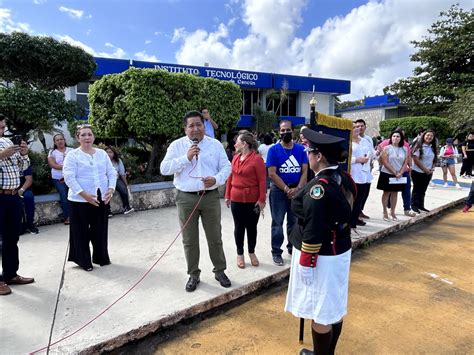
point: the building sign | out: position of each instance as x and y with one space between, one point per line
239 77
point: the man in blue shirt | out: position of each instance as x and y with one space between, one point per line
209 124
287 164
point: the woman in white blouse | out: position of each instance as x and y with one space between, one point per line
55 161
91 178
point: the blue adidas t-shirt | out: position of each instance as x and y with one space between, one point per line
288 162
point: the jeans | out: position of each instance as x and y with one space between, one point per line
123 192
280 205
62 189
357 207
29 203
10 229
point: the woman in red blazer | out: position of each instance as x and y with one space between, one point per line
246 194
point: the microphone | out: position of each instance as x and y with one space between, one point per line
195 141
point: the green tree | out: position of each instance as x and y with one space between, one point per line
411 125
446 67
149 105
34 71
340 105
461 113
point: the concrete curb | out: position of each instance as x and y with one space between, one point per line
235 294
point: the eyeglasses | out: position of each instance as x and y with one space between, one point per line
84 125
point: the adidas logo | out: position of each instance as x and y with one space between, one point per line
291 165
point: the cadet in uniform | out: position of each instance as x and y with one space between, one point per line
319 275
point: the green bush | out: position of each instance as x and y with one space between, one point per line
412 124
41 173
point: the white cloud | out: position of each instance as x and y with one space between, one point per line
369 46
39 2
146 57
72 12
7 24
147 41
118 53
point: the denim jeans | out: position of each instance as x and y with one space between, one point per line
29 203
62 191
280 205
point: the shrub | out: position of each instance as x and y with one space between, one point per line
41 173
412 124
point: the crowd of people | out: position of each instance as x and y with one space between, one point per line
322 204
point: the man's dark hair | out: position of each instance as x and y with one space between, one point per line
192 114
267 139
286 121
360 120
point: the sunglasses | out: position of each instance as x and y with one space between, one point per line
84 125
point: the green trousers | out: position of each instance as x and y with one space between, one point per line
209 210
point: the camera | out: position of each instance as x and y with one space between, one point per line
16 139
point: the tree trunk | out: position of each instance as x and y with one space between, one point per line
153 167
42 140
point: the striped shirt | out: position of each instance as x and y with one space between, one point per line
11 167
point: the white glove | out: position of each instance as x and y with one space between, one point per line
306 274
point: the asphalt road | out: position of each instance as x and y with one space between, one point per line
410 293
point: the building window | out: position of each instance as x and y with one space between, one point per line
286 108
82 90
250 100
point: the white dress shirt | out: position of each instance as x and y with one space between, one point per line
88 172
361 173
212 161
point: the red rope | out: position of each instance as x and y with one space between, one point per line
130 289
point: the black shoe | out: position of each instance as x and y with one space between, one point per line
223 279
278 260
415 209
360 222
290 251
306 352
424 209
32 229
192 283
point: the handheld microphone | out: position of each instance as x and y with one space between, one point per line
195 141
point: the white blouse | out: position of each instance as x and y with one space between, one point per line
59 159
89 173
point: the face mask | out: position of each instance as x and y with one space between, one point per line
286 137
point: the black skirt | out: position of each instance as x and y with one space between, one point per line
382 183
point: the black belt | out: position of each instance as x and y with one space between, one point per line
199 193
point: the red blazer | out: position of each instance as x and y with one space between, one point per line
247 181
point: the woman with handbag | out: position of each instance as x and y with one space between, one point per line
447 156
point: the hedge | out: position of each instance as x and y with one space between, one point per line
412 124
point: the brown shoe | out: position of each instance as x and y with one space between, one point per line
253 259
363 215
4 289
20 280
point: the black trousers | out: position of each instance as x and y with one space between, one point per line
467 163
11 213
420 184
245 219
357 207
89 224
365 197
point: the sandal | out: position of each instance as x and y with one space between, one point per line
394 218
241 261
385 217
254 259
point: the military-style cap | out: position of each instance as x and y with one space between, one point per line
328 145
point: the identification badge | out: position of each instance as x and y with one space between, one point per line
317 192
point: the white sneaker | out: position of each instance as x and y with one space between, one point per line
445 184
127 211
458 186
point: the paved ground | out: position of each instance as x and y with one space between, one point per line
135 243
410 294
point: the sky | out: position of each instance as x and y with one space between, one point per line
366 42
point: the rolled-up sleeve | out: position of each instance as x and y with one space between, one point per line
224 167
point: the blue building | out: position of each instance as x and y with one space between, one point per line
255 88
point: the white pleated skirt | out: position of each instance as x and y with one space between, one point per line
325 300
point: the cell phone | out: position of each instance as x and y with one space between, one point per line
16 139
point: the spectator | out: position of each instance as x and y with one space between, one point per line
13 160
394 158
186 157
246 195
122 183
368 145
265 147
55 160
209 124
91 178
424 158
448 155
26 193
467 149
228 151
360 172
287 164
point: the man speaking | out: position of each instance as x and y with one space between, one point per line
199 164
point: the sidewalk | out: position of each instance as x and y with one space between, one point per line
136 241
